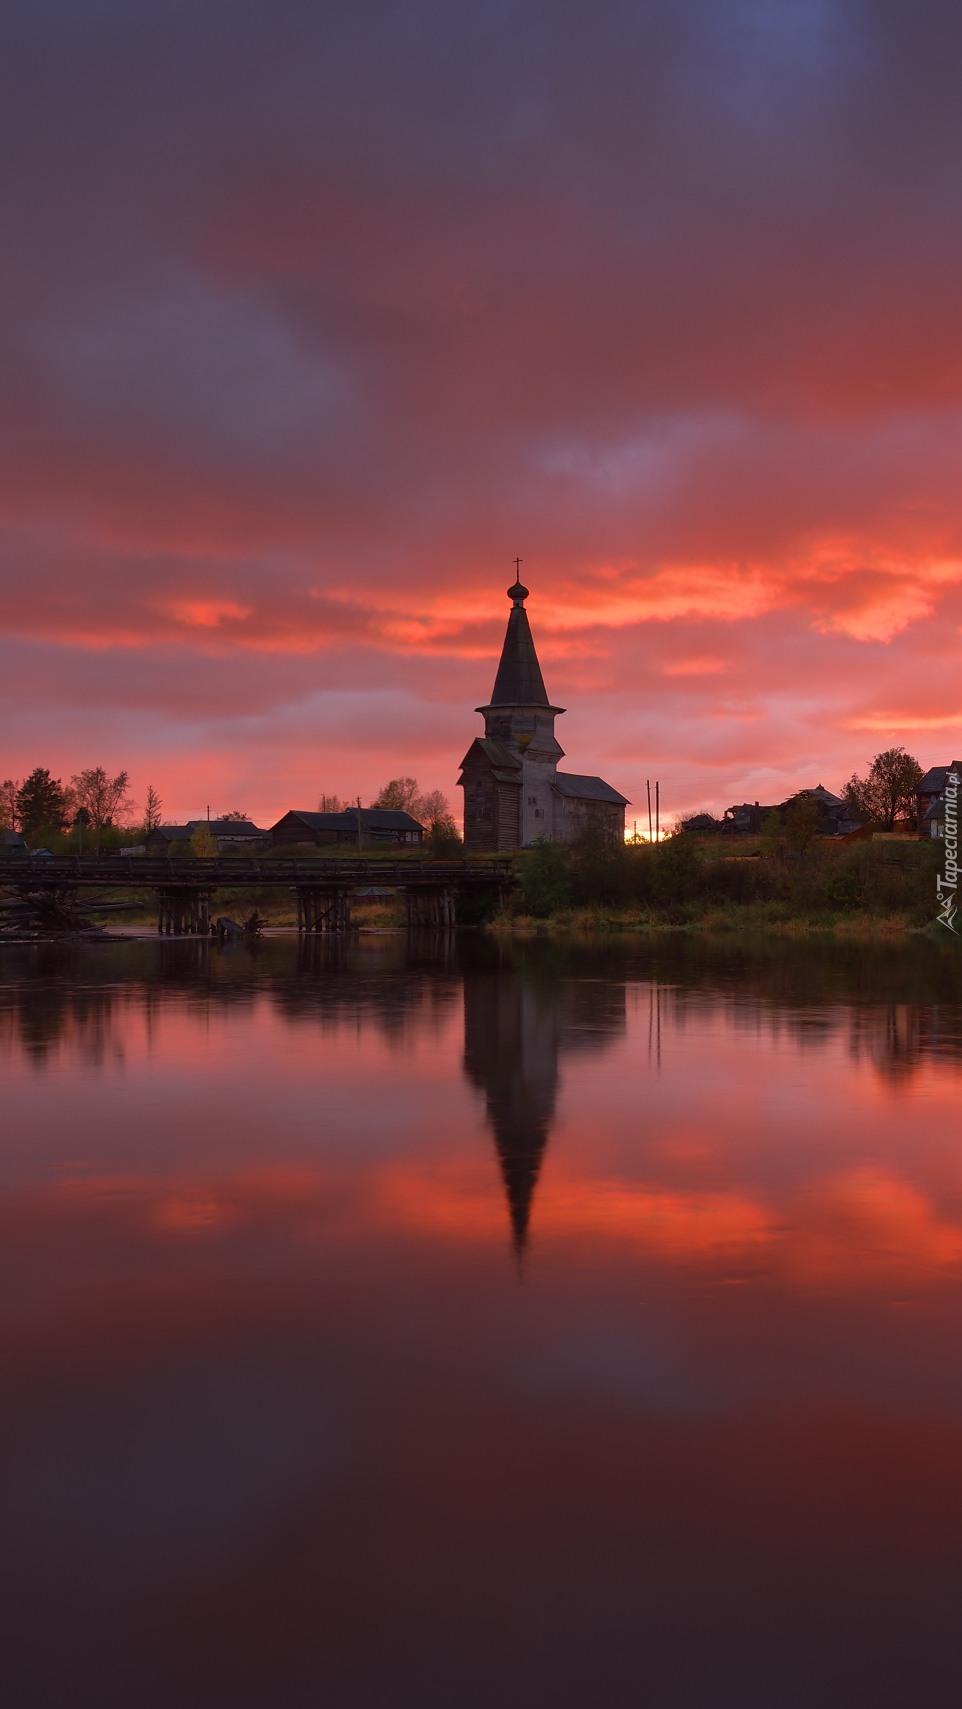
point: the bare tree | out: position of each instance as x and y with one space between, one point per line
8 804
105 798
235 813
331 804
401 795
153 809
433 808
887 794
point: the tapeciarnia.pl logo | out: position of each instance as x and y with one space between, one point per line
948 881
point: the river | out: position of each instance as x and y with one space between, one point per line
462 1323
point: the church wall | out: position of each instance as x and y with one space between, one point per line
574 818
509 816
480 808
491 809
538 774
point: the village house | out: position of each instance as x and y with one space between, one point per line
514 793
380 826
930 799
837 818
228 834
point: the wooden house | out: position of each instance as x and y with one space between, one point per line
380 826
229 834
930 799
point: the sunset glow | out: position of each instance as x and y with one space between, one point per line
308 331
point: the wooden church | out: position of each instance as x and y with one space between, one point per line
513 790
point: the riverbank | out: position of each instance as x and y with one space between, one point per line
750 918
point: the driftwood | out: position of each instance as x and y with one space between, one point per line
225 927
48 914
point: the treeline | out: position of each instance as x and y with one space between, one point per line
680 880
44 808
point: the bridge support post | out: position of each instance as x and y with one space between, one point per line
434 907
323 909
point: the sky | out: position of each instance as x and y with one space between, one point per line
314 316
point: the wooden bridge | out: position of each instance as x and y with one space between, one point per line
324 888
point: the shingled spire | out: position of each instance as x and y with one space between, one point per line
519 681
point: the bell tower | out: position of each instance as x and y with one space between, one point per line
521 719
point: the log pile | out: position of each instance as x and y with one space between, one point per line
27 915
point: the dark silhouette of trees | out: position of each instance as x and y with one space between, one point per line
887 794
42 803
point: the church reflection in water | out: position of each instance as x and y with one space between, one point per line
516 1028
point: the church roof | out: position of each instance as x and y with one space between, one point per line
519 681
586 788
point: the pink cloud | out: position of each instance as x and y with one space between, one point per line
288 383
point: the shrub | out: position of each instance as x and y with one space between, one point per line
546 880
677 871
801 823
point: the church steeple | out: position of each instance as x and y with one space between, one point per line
519 681
519 711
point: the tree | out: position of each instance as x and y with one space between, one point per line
203 843
772 836
105 798
153 809
401 795
546 879
42 803
235 814
801 822
432 809
8 804
331 804
887 794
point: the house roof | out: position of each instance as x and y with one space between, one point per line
374 818
819 793
217 828
934 780
227 827
172 833
11 839
576 788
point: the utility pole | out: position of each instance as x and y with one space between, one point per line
657 812
360 846
648 787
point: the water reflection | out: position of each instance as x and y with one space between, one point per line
279 1426
515 1025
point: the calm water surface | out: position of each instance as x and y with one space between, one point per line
446 1323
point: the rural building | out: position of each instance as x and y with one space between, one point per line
379 826
11 842
747 818
930 799
837 818
229 833
513 790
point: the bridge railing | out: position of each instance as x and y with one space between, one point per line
163 872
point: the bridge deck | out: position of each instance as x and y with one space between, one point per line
146 872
